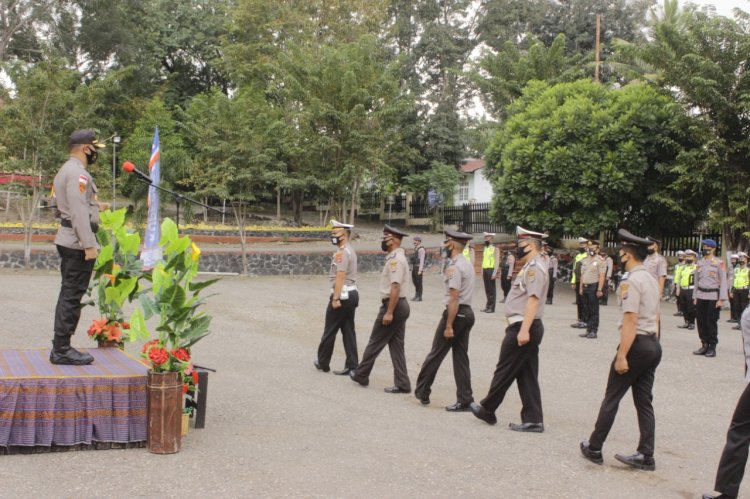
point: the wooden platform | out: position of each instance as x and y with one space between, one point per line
102 405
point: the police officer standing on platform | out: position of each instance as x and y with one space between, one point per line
591 289
453 330
638 355
708 297
519 353
78 206
417 267
490 267
342 302
390 324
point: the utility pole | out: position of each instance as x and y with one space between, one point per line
598 33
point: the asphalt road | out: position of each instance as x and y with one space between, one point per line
276 427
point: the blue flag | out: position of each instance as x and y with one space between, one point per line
152 252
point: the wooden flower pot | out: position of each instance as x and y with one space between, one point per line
164 434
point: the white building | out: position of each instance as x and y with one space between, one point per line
474 186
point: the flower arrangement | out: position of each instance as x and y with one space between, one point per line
116 278
175 299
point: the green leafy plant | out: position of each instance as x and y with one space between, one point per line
175 299
116 278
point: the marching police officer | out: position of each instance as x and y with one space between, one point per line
78 207
591 288
740 282
417 267
490 267
708 297
638 355
519 352
685 290
390 324
575 283
453 330
734 456
342 303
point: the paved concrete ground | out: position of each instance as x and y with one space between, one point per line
276 427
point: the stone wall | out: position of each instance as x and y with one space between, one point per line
259 263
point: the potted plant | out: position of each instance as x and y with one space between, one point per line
174 300
116 276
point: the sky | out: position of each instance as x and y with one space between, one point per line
723 7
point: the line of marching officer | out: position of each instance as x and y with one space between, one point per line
634 365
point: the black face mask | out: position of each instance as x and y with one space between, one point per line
91 157
680 260
486 243
688 262
705 252
651 251
335 240
620 257
520 253
384 245
581 250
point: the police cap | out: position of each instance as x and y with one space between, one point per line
394 232
628 239
461 237
522 233
85 137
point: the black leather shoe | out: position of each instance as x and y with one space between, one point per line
395 389
678 314
683 326
576 325
458 407
417 298
691 326
528 427
353 376
595 456
702 350
319 367
711 351
720 496
482 413
483 310
583 335
548 302
592 335
424 399
342 372
490 310
638 460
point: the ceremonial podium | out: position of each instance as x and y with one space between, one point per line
45 407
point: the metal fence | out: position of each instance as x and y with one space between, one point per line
471 218
670 245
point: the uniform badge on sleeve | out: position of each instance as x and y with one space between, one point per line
83 181
450 271
531 274
624 290
339 257
394 265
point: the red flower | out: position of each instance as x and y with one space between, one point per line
184 388
126 325
113 333
97 327
149 345
158 355
181 354
195 377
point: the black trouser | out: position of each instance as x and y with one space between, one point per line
580 306
707 316
605 293
416 278
490 288
76 274
734 457
739 302
519 364
505 283
686 305
551 288
393 336
591 305
459 344
643 358
343 319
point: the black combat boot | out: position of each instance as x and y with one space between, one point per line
711 351
64 354
702 350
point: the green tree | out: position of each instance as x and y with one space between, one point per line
701 59
578 157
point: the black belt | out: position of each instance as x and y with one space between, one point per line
67 223
461 305
708 290
591 284
646 335
385 300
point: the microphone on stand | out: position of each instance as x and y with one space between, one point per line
130 168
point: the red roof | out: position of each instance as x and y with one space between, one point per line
472 165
